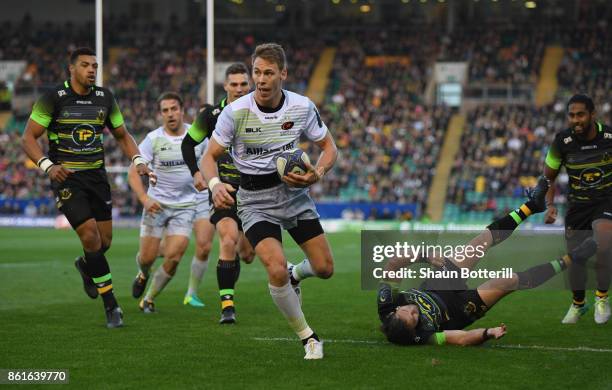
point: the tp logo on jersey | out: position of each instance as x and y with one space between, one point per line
84 135
591 177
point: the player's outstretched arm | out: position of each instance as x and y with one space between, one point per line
327 159
29 143
474 336
220 191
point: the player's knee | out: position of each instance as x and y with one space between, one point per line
324 270
203 249
277 273
90 238
228 242
106 240
173 255
509 284
512 282
604 246
247 256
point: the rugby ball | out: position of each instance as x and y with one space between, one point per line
294 160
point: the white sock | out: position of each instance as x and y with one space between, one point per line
160 280
144 269
198 269
289 304
302 270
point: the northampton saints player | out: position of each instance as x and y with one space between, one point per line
74 115
226 221
438 311
585 149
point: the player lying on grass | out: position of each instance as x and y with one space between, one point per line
437 312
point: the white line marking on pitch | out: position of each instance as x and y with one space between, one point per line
545 348
30 264
505 346
347 341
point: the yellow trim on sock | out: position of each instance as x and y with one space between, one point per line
601 294
525 210
579 302
226 303
567 260
104 289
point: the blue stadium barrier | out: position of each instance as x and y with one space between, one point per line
334 210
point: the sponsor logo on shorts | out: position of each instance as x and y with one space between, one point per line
65 193
470 307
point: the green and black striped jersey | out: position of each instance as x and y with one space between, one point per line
203 127
588 164
75 124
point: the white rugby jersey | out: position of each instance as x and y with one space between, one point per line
257 137
174 181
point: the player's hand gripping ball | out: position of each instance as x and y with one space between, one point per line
294 161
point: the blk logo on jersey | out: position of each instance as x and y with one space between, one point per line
591 177
84 135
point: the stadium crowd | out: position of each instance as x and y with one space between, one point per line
503 147
388 150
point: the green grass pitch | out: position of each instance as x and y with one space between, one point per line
46 322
